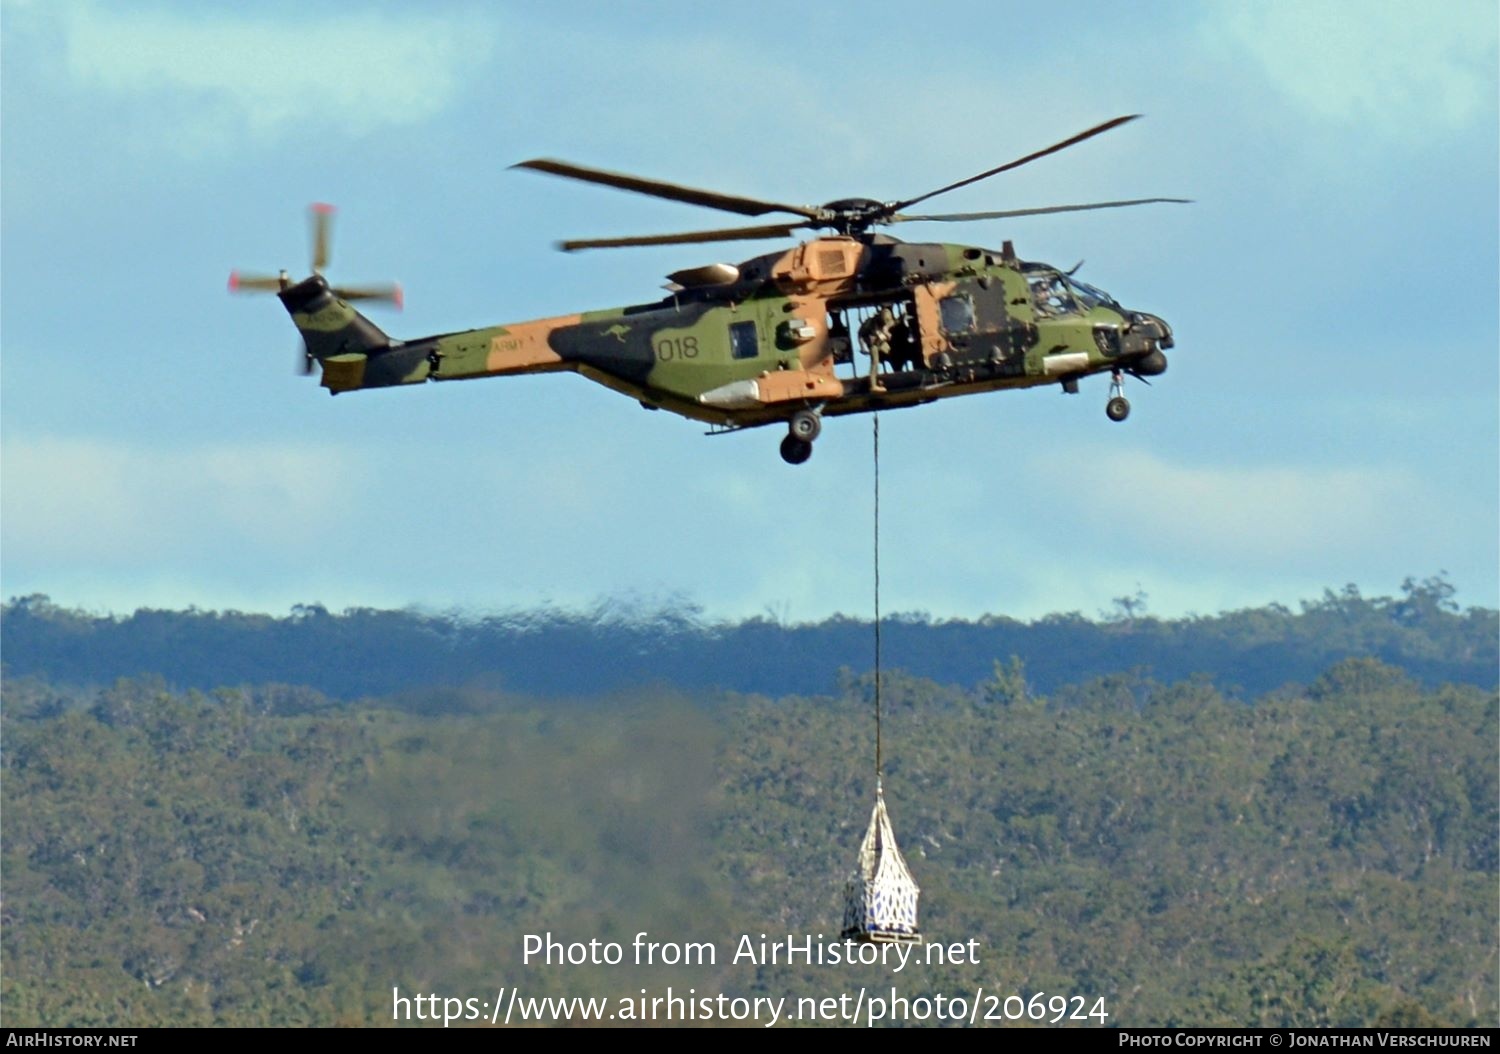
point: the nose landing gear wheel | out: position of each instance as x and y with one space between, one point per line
1118 407
794 451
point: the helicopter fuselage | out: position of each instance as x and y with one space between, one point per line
833 326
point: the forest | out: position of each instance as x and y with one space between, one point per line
278 849
622 646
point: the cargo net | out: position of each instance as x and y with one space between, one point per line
880 899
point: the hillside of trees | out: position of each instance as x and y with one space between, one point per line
268 854
555 653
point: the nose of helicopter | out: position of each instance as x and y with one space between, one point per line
1152 326
1148 335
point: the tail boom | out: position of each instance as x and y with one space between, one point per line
352 350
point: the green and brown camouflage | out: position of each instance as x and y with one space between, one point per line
756 343
850 322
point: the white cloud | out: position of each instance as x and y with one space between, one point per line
270 74
88 503
1400 71
1276 517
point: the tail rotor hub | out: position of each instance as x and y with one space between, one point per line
320 218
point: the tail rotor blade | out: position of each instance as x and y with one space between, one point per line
322 222
254 283
388 292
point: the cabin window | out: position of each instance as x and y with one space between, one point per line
743 343
957 313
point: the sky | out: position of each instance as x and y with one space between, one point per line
1331 414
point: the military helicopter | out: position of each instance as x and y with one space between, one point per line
776 338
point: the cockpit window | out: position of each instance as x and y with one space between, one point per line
1050 295
1090 296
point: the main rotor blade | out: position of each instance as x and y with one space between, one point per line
727 234
322 218
658 189
959 217
1054 148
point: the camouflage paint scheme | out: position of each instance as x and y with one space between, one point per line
752 345
778 337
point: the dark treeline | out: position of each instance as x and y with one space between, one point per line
552 653
1316 856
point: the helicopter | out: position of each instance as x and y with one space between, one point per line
850 321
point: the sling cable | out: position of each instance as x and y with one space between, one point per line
880 898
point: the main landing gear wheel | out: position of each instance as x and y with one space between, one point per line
804 425
794 451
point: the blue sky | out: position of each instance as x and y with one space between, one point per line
1331 415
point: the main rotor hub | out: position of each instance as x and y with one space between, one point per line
853 215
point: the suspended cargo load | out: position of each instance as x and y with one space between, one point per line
880 899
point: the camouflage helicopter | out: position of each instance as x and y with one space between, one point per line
848 322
